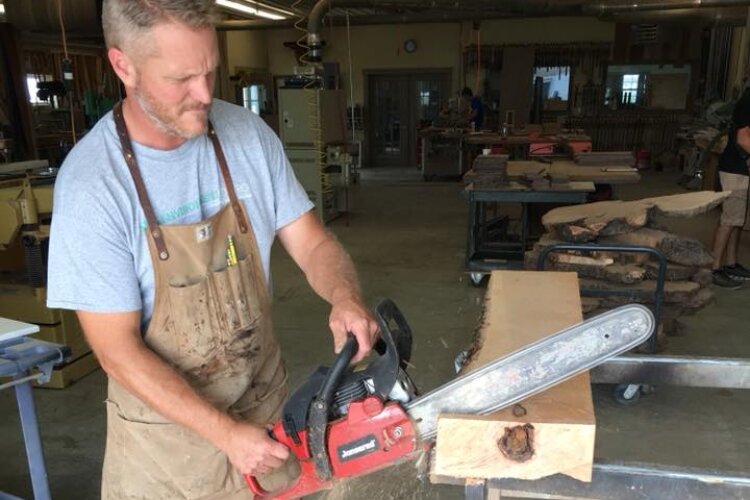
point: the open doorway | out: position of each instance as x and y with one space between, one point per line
400 102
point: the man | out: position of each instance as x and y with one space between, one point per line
733 174
476 108
163 223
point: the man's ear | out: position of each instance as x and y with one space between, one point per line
123 66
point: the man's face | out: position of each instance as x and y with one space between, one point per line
175 78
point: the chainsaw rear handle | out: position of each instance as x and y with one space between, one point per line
318 414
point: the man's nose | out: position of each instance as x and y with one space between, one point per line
202 89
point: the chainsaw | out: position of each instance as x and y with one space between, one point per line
345 422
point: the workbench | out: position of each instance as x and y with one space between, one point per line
441 153
596 174
488 242
25 360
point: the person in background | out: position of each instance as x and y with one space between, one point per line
733 175
476 108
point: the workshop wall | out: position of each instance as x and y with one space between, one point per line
246 49
375 47
439 45
545 30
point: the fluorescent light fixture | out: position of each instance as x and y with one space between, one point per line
2 9
248 9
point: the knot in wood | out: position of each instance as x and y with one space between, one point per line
517 443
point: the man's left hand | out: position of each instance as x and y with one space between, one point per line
350 315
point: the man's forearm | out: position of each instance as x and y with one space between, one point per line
162 388
331 273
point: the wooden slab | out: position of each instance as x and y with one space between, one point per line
583 223
522 307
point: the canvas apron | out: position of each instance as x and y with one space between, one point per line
212 323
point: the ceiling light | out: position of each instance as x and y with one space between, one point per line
2 9
247 9
274 8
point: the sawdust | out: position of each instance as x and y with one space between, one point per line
404 481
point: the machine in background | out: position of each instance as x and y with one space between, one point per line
312 127
26 192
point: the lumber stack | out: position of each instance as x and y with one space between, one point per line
617 223
488 171
605 158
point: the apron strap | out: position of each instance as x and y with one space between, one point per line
140 187
236 206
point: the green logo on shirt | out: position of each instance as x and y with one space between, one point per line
183 210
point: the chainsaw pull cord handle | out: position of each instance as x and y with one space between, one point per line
319 408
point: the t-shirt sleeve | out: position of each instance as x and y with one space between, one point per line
290 199
90 265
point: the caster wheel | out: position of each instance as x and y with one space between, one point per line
477 279
627 394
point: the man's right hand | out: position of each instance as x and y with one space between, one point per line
252 451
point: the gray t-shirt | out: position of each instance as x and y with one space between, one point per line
98 256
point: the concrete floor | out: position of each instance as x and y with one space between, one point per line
408 238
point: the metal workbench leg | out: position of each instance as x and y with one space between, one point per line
475 489
34 452
524 228
471 238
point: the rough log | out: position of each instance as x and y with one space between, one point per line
674 291
675 272
677 249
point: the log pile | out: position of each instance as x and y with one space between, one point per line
617 223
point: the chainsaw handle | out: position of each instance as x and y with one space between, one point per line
255 487
337 370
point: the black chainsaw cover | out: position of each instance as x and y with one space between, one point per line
394 352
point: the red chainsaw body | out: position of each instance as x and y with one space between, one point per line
371 436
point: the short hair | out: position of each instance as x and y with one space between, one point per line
124 21
467 92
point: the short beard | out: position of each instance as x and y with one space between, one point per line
152 110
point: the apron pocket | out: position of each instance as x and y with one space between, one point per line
237 297
196 323
252 285
226 299
161 460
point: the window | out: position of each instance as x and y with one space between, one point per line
629 88
254 98
556 82
31 85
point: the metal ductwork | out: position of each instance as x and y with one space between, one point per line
604 8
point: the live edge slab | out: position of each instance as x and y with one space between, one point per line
550 433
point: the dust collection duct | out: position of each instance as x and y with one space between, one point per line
727 11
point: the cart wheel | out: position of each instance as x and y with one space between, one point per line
627 394
477 279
